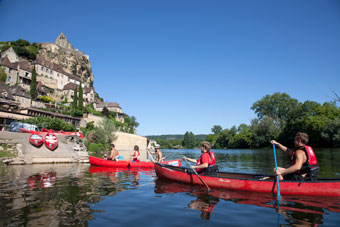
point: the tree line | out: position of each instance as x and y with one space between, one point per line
279 117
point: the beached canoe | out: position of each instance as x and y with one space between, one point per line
250 182
51 141
36 140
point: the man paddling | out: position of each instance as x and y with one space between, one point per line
114 155
158 153
206 159
302 159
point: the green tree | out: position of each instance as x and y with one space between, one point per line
3 75
134 122
33 86
189 140
216 129
106 112
80 98
75 98
262 131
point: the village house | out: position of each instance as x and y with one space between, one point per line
21 96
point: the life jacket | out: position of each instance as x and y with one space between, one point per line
310 163
212 160
136 159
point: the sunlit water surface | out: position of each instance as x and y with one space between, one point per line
80 195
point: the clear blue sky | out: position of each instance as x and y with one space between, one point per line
186 65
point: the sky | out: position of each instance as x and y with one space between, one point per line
187 65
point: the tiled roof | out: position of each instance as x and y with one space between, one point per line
6 62
56 67
25 65
5 92
19 91
108 105
69 86
87 90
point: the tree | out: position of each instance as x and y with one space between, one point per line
3 75
80 98
33 87
279 107
106 111
216 129
75 98
189 140
134 122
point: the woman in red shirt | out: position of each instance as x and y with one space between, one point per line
206 159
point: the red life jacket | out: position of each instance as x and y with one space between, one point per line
136 159
212 160
311 161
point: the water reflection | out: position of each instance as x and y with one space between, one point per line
298 210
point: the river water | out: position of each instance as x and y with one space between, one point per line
80 195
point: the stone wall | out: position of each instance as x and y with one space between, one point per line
125 143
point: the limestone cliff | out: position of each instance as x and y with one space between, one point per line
73 61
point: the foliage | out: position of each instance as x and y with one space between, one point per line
75 98
51 123
189 140
23 48
80 99
216 129
3 75
280 117
46 99
33 86
106 112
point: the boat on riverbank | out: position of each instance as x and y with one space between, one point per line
108 163
36 140
250 182
51 141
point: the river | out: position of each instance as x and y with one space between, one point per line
80 195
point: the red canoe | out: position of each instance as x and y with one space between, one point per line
176 162
108 163
36 140
51 141
102 162
250 182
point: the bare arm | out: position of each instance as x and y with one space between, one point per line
282 147
300 159
190 159
201 166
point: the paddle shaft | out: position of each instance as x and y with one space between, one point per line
151 156
199 177
277 177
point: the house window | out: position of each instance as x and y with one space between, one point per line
22 100
9 78
27 74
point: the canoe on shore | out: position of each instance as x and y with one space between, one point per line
108 163
250 182
36 140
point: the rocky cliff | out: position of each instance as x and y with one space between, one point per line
73 61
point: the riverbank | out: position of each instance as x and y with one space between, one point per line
70 150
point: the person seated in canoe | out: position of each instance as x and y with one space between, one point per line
158 153
302 159
114 155
206 159
136 154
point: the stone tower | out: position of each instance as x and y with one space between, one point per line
63 42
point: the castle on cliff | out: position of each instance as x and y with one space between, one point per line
60 69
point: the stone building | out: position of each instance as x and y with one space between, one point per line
21 96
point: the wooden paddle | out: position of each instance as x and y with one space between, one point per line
199 177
